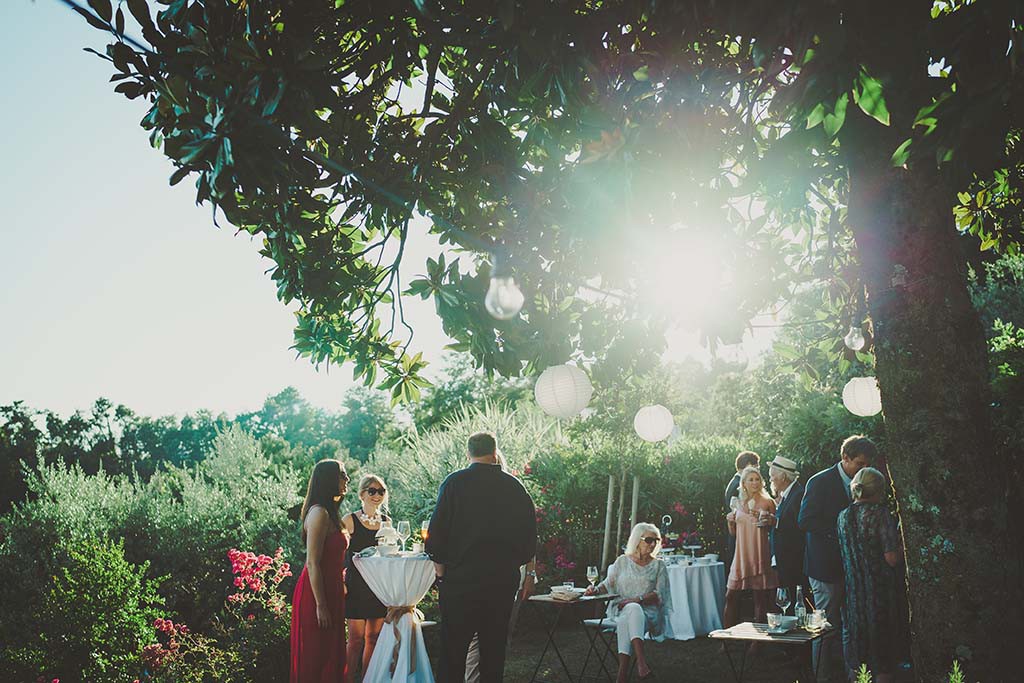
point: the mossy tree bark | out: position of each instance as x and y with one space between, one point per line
951 485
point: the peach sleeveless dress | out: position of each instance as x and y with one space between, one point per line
752 564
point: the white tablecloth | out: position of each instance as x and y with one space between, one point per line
397 582
698 598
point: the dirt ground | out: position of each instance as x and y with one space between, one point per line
699 660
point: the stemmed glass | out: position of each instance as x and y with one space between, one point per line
592 575
404 531
783 599
424 528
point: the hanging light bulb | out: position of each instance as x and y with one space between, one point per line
504 299
854 339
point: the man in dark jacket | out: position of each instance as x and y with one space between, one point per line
484 528
732 490
787 540
827 494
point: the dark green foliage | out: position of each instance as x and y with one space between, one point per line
462 384
182 522
91 618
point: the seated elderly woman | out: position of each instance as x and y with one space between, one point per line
641 581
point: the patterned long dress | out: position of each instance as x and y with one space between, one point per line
630 580
871 622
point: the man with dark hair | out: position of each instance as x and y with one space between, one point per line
826 495
732 490
484 528
482 445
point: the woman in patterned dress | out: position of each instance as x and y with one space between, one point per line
870 544
641 581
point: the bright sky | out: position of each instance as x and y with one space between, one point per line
116 284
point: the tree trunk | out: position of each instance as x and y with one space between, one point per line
951 486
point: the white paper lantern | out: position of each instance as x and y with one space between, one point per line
563 390
653 423
861 396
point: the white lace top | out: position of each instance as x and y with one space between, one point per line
630 580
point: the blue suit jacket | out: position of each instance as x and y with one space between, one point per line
824 498
788 539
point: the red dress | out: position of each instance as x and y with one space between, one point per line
318 655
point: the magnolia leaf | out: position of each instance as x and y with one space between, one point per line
834 122
816 116
868 95
902 153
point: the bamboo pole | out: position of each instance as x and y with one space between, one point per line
622 501
607 523
636 500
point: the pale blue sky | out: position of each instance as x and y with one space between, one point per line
116 284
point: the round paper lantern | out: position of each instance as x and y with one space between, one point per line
563 390
653 423
861 396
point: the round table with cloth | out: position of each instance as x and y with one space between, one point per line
698 597
400 583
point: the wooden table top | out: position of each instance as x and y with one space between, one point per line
759 632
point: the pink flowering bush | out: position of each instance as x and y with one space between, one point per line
180 655
257 619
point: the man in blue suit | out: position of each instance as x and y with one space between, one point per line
787 539
826 495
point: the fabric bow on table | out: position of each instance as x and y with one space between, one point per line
394 614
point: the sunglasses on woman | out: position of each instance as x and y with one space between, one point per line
651 540
374 491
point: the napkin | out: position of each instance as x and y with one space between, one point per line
367 552
565 595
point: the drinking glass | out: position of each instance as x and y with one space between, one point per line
734 503
404 531
783 599
424 527
592 575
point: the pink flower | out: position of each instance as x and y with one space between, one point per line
251 617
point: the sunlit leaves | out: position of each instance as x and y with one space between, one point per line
834 121
867 93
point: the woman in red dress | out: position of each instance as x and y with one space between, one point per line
318 604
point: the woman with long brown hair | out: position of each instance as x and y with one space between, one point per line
318 604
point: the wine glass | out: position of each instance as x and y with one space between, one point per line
424 529
404 531
592 575
734 503
783 599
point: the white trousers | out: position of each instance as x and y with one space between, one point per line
631 623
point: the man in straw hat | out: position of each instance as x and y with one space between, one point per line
787 539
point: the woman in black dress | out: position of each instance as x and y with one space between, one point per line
364 613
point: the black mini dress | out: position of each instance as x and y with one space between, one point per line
360 602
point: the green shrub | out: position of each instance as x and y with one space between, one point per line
415 472
93 618
182 522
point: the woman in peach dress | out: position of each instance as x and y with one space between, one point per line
751 567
